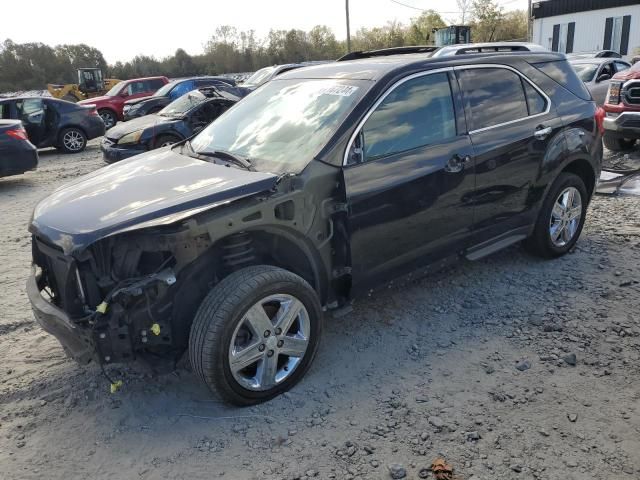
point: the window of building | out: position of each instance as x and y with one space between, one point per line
616 34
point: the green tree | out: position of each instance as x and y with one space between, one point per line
487 17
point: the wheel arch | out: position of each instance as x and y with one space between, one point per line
67 127
272 245
583 169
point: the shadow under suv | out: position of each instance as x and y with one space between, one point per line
323 183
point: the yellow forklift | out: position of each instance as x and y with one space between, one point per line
90 84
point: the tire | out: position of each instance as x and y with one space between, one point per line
108 117
165 140
220 327
72 140
617 144
542 242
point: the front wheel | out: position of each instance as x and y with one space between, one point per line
255 334
561 217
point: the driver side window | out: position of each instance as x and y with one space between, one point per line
417 113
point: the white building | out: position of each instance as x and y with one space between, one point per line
573 26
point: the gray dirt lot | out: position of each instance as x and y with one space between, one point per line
436 368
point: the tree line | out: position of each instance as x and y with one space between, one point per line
31 66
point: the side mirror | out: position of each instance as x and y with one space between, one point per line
603 77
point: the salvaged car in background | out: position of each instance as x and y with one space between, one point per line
622 107
179 120
54 123
111 104
142 106
596 74
316 187
17 153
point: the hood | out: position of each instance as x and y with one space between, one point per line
156 188
140 123
133 101
90 101
630 74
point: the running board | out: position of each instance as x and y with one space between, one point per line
478 252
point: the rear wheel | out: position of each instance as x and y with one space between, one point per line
561 217
255 334
108 117
618 144
72 140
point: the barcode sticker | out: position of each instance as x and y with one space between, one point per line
342 90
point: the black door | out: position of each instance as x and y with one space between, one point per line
408 181
32 113
511 126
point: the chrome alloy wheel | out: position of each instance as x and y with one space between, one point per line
269 342
73 140
565 217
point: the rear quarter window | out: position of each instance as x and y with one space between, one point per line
563 73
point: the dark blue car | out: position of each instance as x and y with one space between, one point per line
177 121
140 107
50 122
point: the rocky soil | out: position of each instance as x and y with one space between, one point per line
508 368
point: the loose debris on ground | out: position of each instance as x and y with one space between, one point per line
507 368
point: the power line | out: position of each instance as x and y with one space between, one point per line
448 13
418 8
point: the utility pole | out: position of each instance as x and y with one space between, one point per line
530 22
348 27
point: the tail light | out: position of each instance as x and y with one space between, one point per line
600 114
18 134
613 95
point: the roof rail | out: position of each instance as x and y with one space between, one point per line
388 51
496 48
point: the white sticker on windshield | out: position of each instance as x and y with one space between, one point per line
342 90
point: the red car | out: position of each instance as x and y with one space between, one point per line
110 105
622 110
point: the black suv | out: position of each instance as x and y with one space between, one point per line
321 184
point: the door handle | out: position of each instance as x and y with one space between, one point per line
457 163
542 133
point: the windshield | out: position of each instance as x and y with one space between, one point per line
284 124
585 71
164 90
182 105
259 77
115 90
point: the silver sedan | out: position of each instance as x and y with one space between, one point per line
596 73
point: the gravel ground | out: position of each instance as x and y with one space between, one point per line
508 368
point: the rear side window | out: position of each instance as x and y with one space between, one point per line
535 102
154 84
415 114
561 72
494 96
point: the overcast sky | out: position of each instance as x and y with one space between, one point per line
124 28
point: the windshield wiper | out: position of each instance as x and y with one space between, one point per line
223 154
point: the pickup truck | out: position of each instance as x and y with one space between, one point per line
622 110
